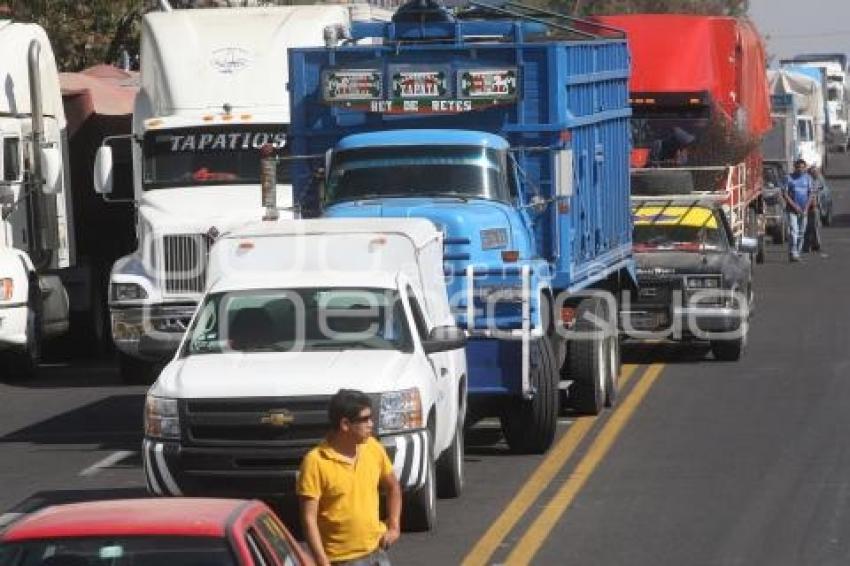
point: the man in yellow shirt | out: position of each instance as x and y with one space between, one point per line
339 489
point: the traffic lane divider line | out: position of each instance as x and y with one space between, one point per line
534 485
530 543
110 460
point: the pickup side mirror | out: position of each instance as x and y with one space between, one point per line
748 245
103 170
51 169
444 338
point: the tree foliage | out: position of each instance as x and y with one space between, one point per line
88 32
84 33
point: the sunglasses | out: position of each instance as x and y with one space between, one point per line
363 419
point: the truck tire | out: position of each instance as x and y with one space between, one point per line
137 372
529 425
23 363
419 507
760 250
613 374
588 359
779 231
450 466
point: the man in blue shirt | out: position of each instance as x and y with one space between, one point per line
799 198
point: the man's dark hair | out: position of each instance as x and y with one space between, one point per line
800 162
347 404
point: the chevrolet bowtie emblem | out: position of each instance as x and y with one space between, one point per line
280 418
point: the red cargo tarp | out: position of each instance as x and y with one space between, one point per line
685 53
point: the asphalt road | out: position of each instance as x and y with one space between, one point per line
702 462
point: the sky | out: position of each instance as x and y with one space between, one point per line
810 26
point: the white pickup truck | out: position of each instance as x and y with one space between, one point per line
293 311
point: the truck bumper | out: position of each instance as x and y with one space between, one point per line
13 326
690 322
237 471
151 332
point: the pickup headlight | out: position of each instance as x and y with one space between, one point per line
162 419
400 410
128 292
7 289
703 282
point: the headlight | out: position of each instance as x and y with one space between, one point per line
494 238
7 289
710 282
128 292
400 410
161 418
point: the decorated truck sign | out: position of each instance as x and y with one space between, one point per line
415 89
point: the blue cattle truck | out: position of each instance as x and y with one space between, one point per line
508 128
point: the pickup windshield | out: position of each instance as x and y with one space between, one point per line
677 228
306 319
403 171
214 155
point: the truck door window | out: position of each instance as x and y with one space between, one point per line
11 159
272 532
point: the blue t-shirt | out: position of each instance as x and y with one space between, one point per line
800 188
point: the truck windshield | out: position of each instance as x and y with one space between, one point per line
214 155
293 320
453 171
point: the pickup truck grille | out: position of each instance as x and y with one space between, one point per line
184 265
282 421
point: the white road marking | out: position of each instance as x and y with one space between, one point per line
110 460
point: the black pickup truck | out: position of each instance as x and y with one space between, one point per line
695 280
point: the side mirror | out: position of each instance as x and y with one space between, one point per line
444 338
51 168
538 204
103 170
748 245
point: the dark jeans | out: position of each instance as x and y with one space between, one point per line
376 558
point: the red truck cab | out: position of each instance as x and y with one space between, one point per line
141 532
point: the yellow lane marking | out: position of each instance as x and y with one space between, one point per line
532 540
534 486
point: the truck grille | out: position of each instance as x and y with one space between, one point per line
184 265
284 422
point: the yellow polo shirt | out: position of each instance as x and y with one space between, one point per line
348 498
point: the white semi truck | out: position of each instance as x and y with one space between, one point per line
811 112
833 68
213 91
36 244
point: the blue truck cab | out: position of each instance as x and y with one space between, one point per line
509 130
